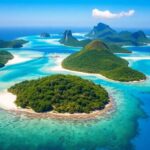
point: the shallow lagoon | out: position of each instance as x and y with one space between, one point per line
115 131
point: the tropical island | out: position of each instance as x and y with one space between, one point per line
69 40
60 93
5 56
107 34
12 44
97 58
45 35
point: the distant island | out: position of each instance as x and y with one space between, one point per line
12 44
45 35
60 93
114 40
69 40
109 35
5 56
96 57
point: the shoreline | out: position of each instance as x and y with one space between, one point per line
59 68
7 102
23 56
109 108
17 59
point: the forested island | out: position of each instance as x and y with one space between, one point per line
60 93
106 34
45 35
5 56
114 40
97 57
69 40
12 44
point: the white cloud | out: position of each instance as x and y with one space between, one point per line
109 15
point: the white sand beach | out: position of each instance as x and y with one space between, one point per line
50 41
7 100
59 68
137 58
17 59
23 56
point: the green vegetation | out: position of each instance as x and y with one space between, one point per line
117 49
61 93
109 35
125 74
101 31
12 44
96 57
4 57
69 40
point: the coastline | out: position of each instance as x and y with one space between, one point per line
7 102
59 68
17 59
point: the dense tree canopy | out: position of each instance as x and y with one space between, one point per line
105 33
61 93
69 40
4 57
12 44
97 58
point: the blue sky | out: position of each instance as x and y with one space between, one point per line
70 13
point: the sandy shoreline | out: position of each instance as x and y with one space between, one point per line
137 58
7 102
59 68
17 59
109 108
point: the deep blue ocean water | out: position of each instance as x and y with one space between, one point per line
10 33
124 129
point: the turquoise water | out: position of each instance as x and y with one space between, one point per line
123 129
